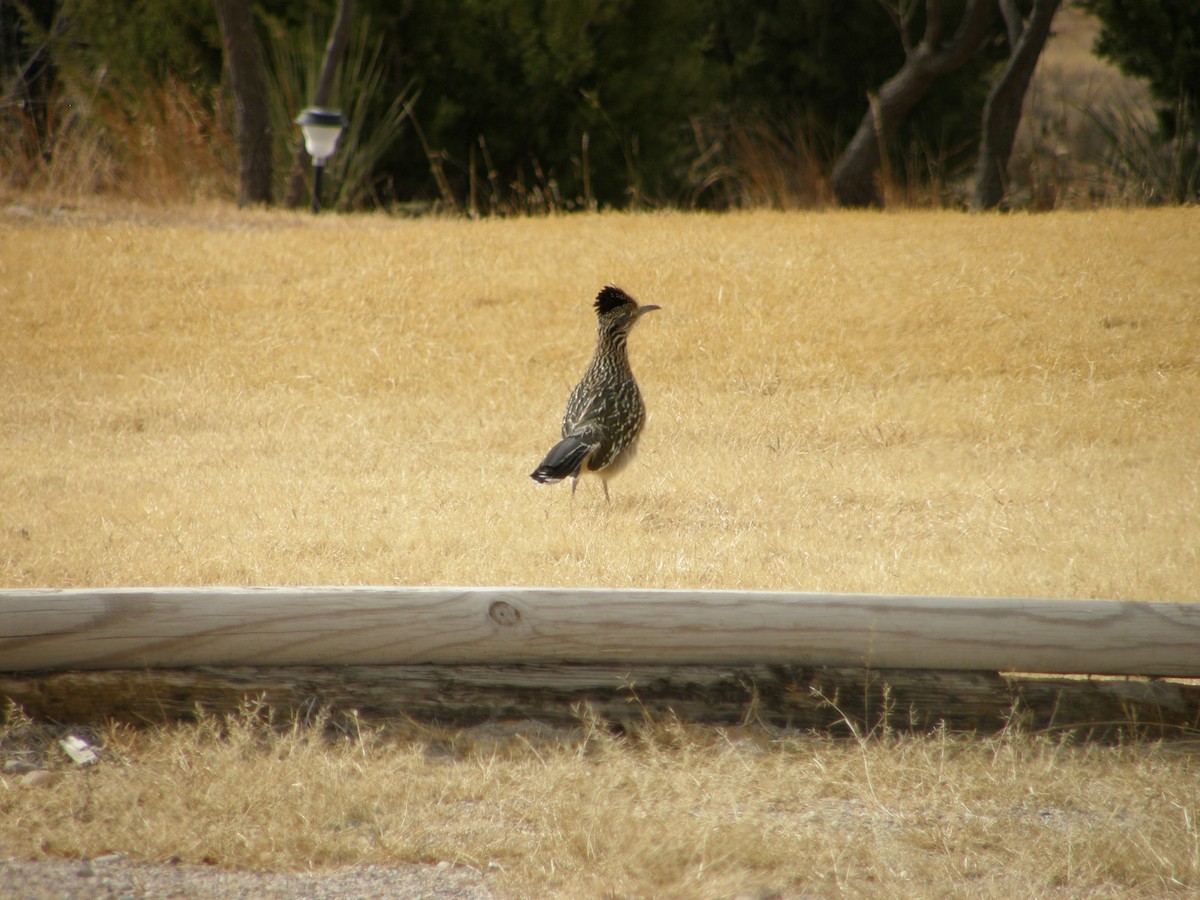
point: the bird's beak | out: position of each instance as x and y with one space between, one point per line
647 308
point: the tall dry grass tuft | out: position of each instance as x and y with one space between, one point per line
172 147
1144 168
63 154
159 147
749 163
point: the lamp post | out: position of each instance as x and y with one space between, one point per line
321 128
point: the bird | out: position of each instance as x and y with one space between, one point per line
605 412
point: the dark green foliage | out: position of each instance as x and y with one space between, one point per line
1158 40
123 45
24 59
526 105
97 65
557 104
106 50
510 89
813 61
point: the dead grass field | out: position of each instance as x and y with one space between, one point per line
671 811
909 402
918 403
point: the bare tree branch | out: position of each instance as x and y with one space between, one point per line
933 24
855 171
1012 21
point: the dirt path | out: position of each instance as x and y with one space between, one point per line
118 878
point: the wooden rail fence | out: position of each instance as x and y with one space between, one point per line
463 655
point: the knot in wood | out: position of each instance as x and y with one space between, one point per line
504 613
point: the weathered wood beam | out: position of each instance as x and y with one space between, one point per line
47 630
779 695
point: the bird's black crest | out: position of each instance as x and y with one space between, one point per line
610 297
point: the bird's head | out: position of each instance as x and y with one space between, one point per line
617 311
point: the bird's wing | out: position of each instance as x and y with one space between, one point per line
576 419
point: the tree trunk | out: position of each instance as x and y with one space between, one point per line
1002 111
248 79
334 50
854 174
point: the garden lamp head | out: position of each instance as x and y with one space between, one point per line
321 128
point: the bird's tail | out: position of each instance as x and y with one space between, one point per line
563 461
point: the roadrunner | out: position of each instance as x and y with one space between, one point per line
605 413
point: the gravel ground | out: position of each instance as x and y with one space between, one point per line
116 878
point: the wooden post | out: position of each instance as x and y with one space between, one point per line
46 630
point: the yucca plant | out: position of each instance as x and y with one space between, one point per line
375 121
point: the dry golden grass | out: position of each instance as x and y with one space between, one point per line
911 403
669 811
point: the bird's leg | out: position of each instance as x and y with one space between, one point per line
604 481
574 481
